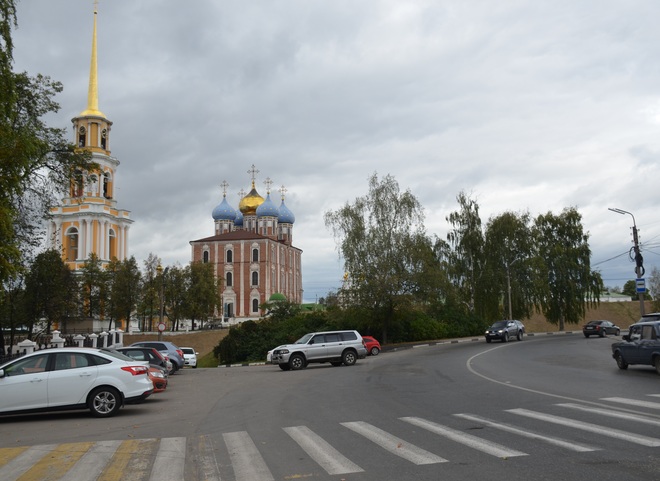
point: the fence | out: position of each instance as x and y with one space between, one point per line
114 338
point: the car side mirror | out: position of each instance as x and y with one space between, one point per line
626 337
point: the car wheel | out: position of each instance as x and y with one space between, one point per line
586 335
284 367
656 363
296 362
195 366
519 336
104 402
336 363
505 337
349 358
488 339
374 351
621 362
618 332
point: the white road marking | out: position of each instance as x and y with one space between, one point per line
593 428
246 460
170 460
393 444
94 461
15 468
612 414
562 443
474 442
320 451
632 402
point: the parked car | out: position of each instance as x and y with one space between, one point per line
165 347
158 378
372 345
149 354
641 345
73 378
335 347
189 357
505 330
600 328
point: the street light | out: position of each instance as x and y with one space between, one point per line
639 260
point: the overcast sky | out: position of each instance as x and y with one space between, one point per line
527 105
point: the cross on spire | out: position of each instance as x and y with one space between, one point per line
283 191
223 185
253 172
268 183
241 194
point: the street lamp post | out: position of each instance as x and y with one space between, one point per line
639 260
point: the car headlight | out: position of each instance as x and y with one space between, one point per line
282 351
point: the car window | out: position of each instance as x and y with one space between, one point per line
70 360
635 333
332 337
99 361
318 339
32 365
349 336
648 332
138 355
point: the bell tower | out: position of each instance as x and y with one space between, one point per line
88 221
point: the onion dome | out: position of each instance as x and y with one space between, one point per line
238 222
277 297
224 211
268 208
249 203
285 215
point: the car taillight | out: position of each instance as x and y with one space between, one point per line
136 370
180 353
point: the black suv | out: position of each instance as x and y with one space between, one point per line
505 330
641 345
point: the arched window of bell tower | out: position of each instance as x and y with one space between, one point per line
82 137
71 244
112 244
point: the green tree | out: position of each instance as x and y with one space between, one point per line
123 290
508 247
50 289
203 296
630 289
176 288
35 160
149 303
382 242
94 284
565 283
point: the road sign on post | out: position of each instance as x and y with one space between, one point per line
641 285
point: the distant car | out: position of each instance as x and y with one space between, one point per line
189 357
505 330
372 345
150 354
165 347
73 378
600 328
158 378
641 345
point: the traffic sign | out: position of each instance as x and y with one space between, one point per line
641 285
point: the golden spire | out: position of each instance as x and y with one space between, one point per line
93 92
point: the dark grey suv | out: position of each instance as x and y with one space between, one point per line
641 345
171 350
505 330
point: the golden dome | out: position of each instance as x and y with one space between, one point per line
248 204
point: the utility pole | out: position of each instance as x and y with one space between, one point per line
639 260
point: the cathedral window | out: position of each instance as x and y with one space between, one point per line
230 256
82 137
230 279
255 305
106 186
72 245
255 255
205 257
104 139
255 279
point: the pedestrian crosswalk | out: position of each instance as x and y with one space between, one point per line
236 456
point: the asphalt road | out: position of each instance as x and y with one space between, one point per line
546 408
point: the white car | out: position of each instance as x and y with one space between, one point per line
73 378
189 357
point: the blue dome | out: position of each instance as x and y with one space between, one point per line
224 211
285 216
267 209
239 219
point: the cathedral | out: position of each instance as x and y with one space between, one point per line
88 221
252 252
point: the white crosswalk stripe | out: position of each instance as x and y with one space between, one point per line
633 402
320 451
593 428
474 442
394 444
246 460
15 468
612 414
170 460
91 465
562 443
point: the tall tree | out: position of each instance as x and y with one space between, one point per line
203 296
51 290
382 241
123 290
176 288
148 306
508 251
565 282
35 160
94 284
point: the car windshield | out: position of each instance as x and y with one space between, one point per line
499 324
304 339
